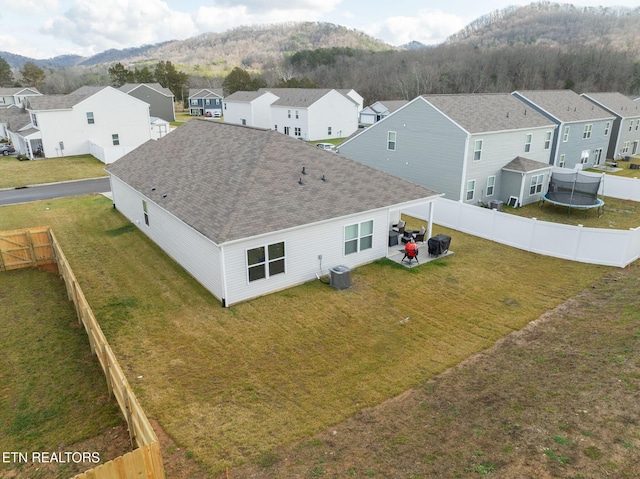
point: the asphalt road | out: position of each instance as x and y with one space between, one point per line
54 190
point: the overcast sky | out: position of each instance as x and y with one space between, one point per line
46 28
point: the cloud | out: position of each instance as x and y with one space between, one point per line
33 7
428 27
98 25
251 12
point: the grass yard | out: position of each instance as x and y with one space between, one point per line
52 391
235 385
14 173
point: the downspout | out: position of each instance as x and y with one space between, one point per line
432 205
223 278
522 176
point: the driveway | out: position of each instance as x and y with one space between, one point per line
54 190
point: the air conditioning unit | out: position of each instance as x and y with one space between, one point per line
495 205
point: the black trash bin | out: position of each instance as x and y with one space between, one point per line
438 244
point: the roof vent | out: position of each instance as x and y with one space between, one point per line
323 178
164 196
300 182
153 188
304 171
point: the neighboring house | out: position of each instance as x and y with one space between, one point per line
250 108
354 95
263 212
379 110
625 131
101 121
12 118
16 96
160 99
306 113
205 101
584 129
460 145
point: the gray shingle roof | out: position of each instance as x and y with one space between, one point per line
15 91
490 112
230 182
129 87
205 92
524 165
244 96
298 97
618 103
60 102
565 105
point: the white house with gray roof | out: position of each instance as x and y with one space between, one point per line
260 213
101 121
460 144
378 110
310 114
14 97
625 132
584 129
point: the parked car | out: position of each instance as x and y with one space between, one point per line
326 146
7 149
208 114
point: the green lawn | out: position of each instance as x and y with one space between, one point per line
14 173
52 391
232 384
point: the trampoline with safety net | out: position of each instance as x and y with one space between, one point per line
575 190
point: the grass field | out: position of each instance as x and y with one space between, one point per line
233 385
52 391
14 173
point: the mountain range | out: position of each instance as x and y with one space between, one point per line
257 47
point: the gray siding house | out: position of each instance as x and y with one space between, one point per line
584 129
625 132
459 145
262 212
160 99
205 102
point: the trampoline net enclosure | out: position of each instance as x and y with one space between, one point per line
574 190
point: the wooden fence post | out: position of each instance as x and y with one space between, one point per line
107 368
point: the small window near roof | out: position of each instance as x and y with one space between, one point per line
391 140
116 139
90 119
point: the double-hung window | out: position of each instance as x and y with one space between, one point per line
391 140
477 150
491 184
584 157
536 184
547 140
565 135
265 261
358 237
90 119
116 139
527 142
586 134
471 189
607 126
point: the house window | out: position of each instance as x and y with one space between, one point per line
297 131
547 140
630 125
265 261
491 183
275 127
297 116
607 126
146 213
288 113
561 161
477 150
391 140
565 136
586 134
584 157
243 121
207 101
34 120
527 142
536 184
329 131
116 139
194 101
286 130
637 124
625 147
358 237
90 119
471 189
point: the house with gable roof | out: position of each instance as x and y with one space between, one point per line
474 148
583 128
160 99
379 110
14 97
625 131
87 121
205 101
262 212
306 113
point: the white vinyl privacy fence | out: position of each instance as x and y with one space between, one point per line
588 245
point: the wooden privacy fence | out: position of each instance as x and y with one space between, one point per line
38 247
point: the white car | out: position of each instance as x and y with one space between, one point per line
326 146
